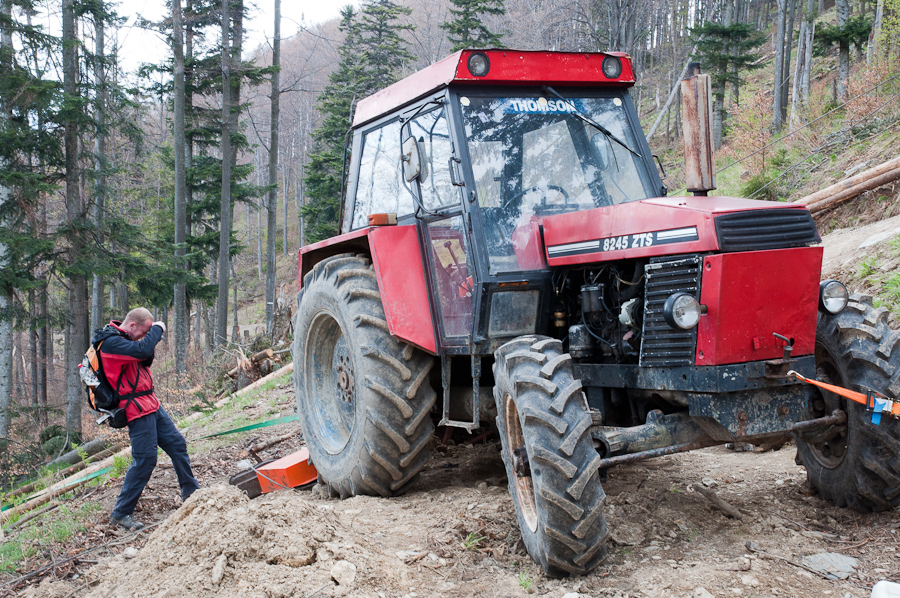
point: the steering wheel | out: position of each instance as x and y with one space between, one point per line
543 189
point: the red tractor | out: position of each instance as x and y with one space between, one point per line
505 230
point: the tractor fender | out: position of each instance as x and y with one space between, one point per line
400 271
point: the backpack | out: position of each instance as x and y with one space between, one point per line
100 395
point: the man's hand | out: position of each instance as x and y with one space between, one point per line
161 325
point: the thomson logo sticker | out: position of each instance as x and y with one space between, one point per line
619 243
540 106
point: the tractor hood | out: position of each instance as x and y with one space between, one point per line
675 225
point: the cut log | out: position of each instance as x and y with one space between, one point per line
90 448
852 192
849 183
68 471
267 354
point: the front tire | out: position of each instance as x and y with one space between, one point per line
364 398
549 456
857 464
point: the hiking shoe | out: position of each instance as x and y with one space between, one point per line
127 522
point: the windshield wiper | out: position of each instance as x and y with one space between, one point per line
587 119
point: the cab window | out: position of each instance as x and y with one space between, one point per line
380 188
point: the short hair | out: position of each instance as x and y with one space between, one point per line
139 315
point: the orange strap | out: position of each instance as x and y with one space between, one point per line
853 395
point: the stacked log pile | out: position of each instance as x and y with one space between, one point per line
853 186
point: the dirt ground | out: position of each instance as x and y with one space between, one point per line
455 533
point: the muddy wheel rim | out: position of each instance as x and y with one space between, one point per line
524 486
830 453
331 387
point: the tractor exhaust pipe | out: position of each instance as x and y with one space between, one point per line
696 103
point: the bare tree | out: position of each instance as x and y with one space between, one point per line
99 160
180 148
779 63
842 9
225 217
6 335
76 337
800 99
271 204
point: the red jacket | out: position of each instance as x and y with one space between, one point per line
126 364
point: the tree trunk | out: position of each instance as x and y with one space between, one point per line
718 109
779 64
181 315
272 204
33 358
6 324
804 64
786 72
873 49
99 163
44 350
842 9
225 217
77 338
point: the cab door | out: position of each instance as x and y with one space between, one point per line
444 227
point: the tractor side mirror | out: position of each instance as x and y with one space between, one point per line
412 164
601 146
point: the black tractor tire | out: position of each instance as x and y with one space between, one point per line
364 397
557 493
857 464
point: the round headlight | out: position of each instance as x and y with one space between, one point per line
681 311
833 297
612 67
478 64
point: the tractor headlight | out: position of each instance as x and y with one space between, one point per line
478 64
612 67
682 311
833 297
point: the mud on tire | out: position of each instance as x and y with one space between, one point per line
858 464
363 397
557 494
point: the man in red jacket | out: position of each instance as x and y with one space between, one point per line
127 353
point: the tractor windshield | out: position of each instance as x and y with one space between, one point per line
532 157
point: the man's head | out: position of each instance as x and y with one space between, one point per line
137 323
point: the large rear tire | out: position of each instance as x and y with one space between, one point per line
364 398
549 456
857 464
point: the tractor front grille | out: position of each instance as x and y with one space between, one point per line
777 228
662 345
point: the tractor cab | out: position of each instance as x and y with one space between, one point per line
502 140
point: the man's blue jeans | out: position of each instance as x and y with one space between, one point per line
146 433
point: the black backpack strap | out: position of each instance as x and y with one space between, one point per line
130 397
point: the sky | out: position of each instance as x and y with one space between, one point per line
138 46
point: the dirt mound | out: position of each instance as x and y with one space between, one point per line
220 543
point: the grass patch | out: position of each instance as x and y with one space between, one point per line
868 267
58 527
472 541
120 465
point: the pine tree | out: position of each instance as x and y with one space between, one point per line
371 58
725 51
467 30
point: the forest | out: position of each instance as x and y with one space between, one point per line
189 185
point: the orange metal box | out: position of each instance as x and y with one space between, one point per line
288 472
